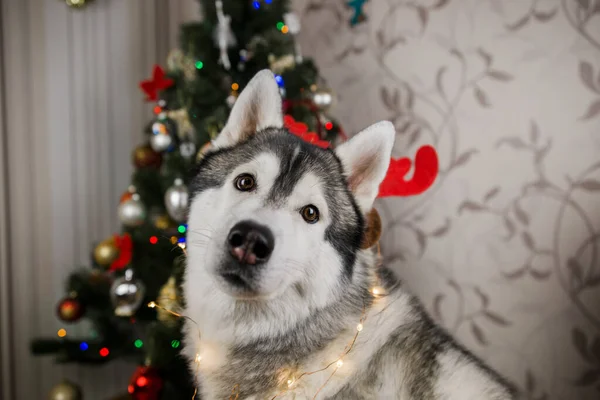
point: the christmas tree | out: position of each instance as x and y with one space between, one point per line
144 263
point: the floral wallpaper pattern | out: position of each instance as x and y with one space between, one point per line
504 250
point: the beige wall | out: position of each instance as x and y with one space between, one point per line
499 274
504 250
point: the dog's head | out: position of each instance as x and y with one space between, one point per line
271 213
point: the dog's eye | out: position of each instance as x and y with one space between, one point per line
310 213
245 182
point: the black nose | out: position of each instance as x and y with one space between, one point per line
250 243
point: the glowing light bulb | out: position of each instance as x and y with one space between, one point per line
290 382
359 327
182 245
152 304
339 363
198 358
62 332
377 291
235 86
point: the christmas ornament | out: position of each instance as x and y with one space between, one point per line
175 60
187 149
144 156
322 99
106 252
162 138
65 391
203 151
128 194
176 200
292 21
426 169
224 36
77 3
132 212
358 12
124 245
231 100
279 65
70 309
168 298
182 120
145 384
126 294
153 85
300 129
163 222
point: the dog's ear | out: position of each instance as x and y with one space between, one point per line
257 107
366 158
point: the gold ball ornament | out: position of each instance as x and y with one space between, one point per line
163 222
106 252
169 298
76 3
65 391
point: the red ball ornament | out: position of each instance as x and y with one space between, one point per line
144 157
145 384
70 309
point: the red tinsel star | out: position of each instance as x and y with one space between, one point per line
300 129
157 82
125 246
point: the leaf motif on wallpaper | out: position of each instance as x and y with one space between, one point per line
540 275
478 333
437 306
485 299
581 343
495 318
469 205
534 132
493 192
521 214
519 23
462 159
481 97
589 185
389 100
588 377
528 240
500 75
487 57
440 4
513 141
439 81
529 382
421 241
442 230
576 272
414 136
595 349
423 16
586 73
516 274
544 16
510 228
592 111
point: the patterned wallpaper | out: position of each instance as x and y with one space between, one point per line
505 249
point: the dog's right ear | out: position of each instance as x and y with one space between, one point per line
257 107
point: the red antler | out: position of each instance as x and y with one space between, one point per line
426 169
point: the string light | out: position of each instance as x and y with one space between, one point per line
256 5
328 125
198 358
279 80
83 346
285 29
138 343
182 247
141 381
173 239
235 86
175 344
280 26
104 352
181 228
153 239
62 332
157 109
339 363
199 64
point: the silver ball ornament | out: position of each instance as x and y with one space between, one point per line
127 294
132 212
161 139
322 99
231 100
177 200
187 149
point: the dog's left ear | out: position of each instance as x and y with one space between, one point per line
257 107
366 158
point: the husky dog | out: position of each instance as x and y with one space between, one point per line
278 282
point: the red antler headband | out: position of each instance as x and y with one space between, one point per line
395 182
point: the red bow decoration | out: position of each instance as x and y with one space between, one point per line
426 170
157 82
125 246
300 129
